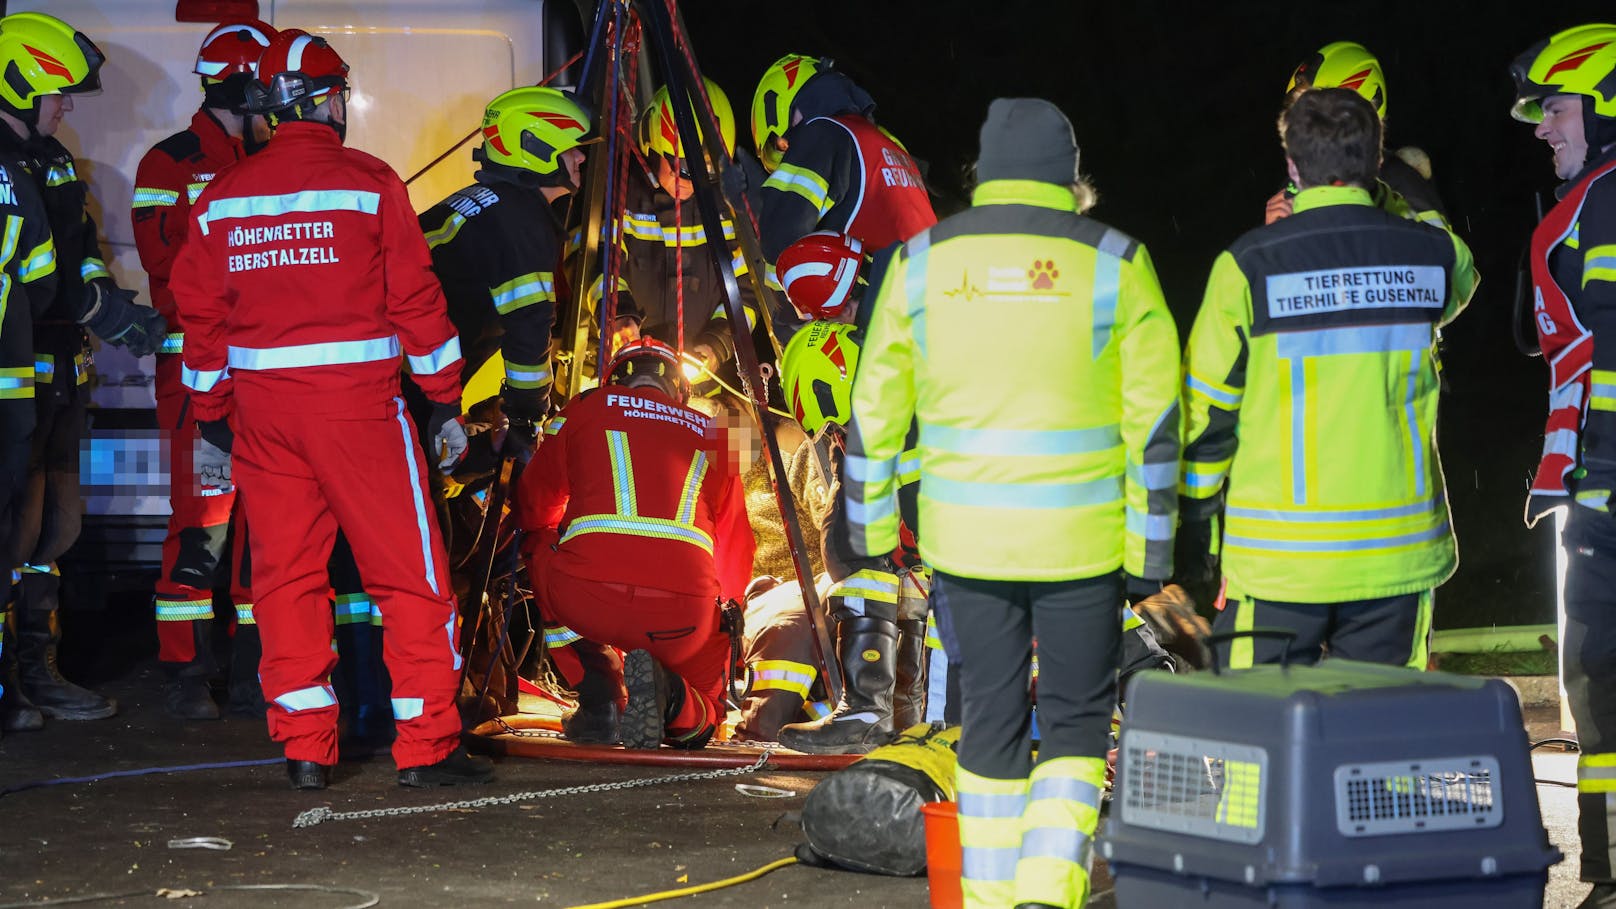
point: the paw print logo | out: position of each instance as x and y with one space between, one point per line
1043 274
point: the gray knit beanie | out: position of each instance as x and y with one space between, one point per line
1027 139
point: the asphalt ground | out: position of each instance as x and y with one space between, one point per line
114 836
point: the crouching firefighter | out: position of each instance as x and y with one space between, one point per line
880 633
636 527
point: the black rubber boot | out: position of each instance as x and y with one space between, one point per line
598 717
246 694
37 637
1603 896
17 713
593 724
909 692
187 696
648 694
458 769
308 774
862 721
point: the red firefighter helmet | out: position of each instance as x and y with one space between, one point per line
649 358
820 273
295 68
233 48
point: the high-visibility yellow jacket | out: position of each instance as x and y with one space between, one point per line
1310 400
1034 348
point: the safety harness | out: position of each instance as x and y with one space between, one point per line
1568 346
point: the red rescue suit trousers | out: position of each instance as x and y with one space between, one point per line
681 632
194 547
301 479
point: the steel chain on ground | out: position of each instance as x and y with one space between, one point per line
316 816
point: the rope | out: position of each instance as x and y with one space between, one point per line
478 131
144 771
620 165
752 875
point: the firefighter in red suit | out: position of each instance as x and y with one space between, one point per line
170 178
637 529
831 167
304 278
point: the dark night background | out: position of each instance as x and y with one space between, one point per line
1174 106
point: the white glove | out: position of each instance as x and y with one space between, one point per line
448 436
211 465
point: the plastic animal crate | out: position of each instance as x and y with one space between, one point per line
1341 785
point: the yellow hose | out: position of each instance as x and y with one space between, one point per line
752 875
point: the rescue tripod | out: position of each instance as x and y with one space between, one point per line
622 30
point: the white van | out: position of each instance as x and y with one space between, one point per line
421 70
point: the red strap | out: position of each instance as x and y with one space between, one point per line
1568 347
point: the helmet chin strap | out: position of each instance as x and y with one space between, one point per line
1600 132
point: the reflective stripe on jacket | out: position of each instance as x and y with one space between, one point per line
1311 397
168 182
1059 460
637 489
304 278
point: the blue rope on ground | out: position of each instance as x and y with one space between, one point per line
145 771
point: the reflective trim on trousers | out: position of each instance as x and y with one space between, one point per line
560 636
1596 773
992 805
783 675
1064 843
990 864
184 610
419 500
313 698
408 708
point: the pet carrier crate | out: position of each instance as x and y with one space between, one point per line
1342 785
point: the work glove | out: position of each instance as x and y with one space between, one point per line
525 409
211 464
1171 614
448 436
218 434
111 314
742 180
1195 558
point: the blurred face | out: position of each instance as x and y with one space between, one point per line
669 178
259 128
573 160
1562 129
51 110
